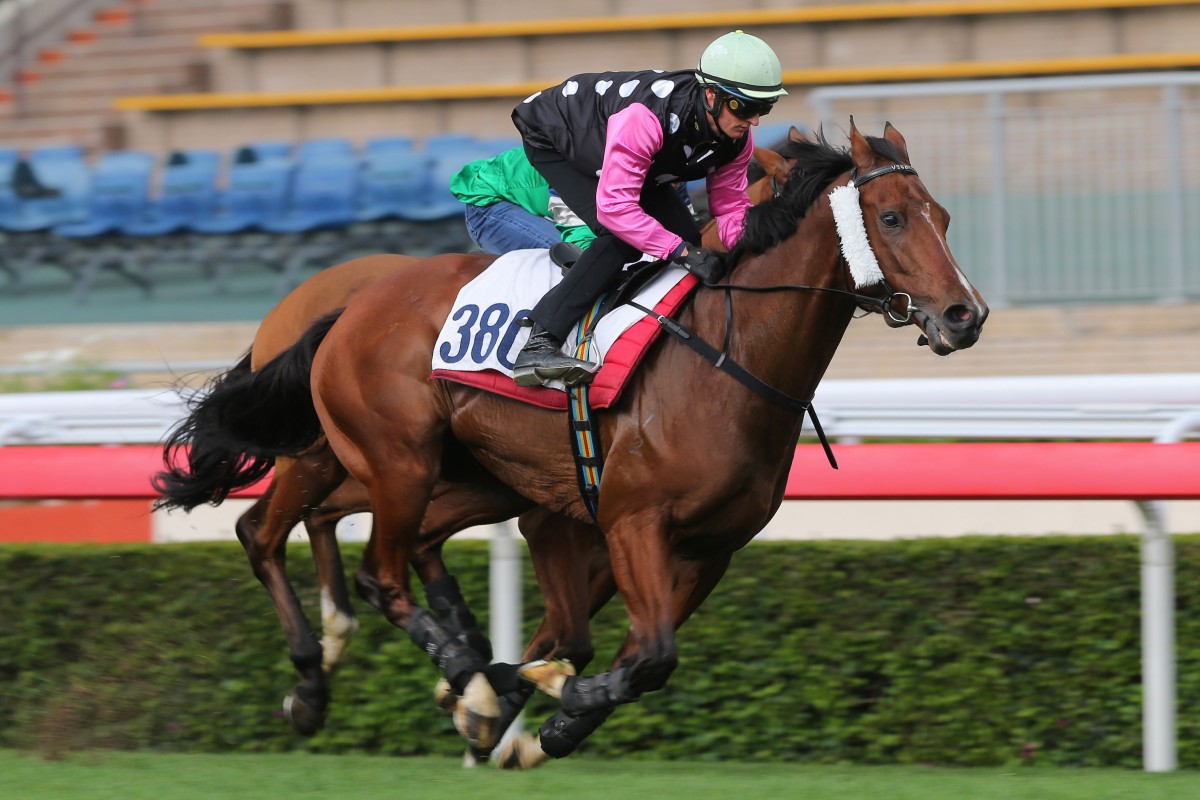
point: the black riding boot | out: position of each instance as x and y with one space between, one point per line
542 360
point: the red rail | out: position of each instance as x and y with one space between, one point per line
956 471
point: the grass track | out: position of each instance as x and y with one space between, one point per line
142 776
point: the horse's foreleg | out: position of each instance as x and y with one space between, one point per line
571 564
643 664
263 530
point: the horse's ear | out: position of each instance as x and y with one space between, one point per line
893 136
860 150
796 135
771 162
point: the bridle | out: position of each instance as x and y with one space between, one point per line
883 305
720 359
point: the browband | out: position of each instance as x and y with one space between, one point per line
875 173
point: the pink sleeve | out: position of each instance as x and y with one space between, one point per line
727 200
634 136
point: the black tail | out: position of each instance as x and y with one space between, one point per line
237 428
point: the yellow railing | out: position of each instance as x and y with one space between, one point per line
1129 62
748 18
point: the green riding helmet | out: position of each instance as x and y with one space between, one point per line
744 64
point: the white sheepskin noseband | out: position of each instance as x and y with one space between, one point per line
847 215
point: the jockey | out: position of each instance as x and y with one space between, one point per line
611 144
509 206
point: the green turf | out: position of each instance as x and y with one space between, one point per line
132 776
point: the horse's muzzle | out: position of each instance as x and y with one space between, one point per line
955 328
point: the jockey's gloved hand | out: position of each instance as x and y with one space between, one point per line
703 263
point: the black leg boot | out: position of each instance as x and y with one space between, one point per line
542 360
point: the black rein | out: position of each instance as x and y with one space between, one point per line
721 361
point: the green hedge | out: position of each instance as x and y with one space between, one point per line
966 651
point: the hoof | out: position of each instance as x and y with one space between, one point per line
521 752
305 718
477 715
547 676
445 697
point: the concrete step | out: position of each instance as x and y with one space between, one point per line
91 139
51 105
113 63
130 44
166 17
42 121
106 84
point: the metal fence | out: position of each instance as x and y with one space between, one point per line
1060 189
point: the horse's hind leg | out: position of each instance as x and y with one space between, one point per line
263 530
338 620
401 484
456 506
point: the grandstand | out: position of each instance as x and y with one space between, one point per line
237 145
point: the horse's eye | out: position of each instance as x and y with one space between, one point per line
891 219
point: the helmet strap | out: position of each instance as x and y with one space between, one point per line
715 110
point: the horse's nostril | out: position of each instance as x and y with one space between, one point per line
959 316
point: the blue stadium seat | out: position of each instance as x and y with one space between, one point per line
323 197
323 200
207 158
122 159
8 207
269 150
438 144
71 152
70 177
379 144
119 194
390 178
8 197
331 147
256 192
28 221
187 194
499 144
436 201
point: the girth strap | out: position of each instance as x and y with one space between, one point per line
741 375
584 430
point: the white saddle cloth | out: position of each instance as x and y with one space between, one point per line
482 333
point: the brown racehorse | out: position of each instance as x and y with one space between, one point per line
696 463
263 528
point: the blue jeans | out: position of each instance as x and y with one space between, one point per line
505 226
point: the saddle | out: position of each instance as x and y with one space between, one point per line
636 275
565 254
484 330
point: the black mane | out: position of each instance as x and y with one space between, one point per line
818 163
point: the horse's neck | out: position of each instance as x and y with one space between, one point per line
787 337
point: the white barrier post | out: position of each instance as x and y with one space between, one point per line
1159 750
505 596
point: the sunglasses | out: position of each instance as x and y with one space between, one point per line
745 109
